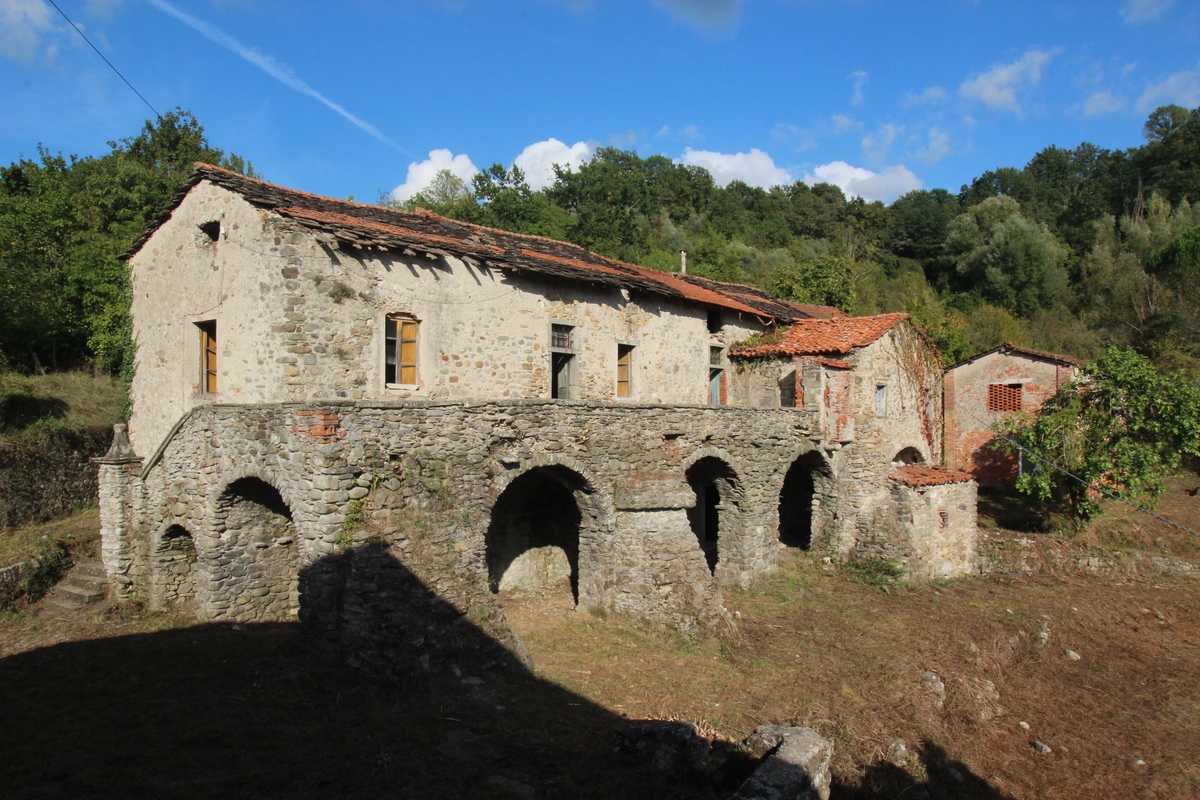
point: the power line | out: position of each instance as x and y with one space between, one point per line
106 61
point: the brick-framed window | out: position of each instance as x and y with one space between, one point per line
1004 397
400 350
564 367
208 356
624 370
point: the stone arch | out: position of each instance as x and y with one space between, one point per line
541 529
250 561
909 455
174 567
807 501
716 518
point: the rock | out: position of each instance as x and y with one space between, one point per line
1041 747
935 686
898 751
673 748
1072 655
1024 725
798 768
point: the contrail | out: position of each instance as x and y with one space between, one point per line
277 70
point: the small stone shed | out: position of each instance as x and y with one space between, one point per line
989 387
341 411
874 385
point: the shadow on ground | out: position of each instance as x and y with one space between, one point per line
224 711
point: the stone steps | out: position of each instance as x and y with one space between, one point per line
84 585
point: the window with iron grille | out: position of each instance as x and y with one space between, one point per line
400 351
714 356
1004 397
562 336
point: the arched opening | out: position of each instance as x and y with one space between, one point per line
909 455
175 565
715 485
533 539
799 500
253 576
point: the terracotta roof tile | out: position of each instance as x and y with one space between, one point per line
925 475
820 336
368 226
1012 348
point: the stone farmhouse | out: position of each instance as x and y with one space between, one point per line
985 389
329 393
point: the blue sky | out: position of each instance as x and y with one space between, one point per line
362 96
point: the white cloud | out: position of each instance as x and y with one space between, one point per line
1102 103
842 123
538 159
755 168
876 145
998 86
859 182
931 96
22 23
937 147
690 132
421 173
1181 88
703 13
1145 10
794 136
859 77
276 69
665 130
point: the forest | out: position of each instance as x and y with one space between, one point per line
1078 250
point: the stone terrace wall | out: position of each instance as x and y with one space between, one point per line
51 478
421 479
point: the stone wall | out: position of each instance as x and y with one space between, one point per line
50 478
299 320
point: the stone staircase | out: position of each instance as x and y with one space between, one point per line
83 585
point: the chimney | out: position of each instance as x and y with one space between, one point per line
683 261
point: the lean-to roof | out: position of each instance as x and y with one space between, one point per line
811 337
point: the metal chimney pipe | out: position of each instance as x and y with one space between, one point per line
683 261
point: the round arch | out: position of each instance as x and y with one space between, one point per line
806 500
716 517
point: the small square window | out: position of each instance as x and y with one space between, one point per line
562 337
211 229
714 356
714 321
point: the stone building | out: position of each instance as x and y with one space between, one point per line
338 407
873 385
985 389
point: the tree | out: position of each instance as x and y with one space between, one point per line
826 280
1123 430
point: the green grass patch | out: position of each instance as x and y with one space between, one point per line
35 406
79 532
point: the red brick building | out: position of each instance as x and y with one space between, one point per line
988 387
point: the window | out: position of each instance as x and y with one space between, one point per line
563 379
400 351
211 229
716 377
624 369
714 321
1004 397
881 401
208 356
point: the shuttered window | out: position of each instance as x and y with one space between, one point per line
401 351
208 356
624 369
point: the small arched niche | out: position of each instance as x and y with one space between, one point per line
909 455
255 568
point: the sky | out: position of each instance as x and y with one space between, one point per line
363 97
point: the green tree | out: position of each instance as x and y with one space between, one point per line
1123 430
826 280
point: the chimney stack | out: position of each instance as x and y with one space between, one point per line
683 261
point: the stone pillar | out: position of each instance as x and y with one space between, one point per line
119 469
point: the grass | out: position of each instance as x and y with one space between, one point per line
81 531
37 405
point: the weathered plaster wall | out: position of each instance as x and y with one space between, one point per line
299 320
968 422
941 525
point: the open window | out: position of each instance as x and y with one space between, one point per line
208 356
716 377
881 400
400 351
624 370
564 379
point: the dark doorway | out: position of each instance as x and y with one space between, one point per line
909 455
533 539
797 501
714 483
254 568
